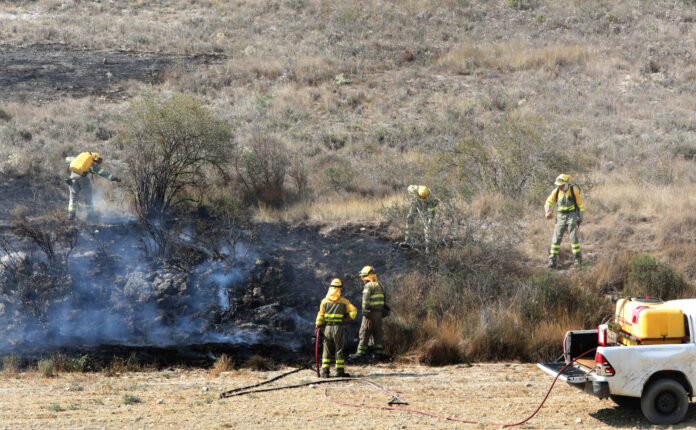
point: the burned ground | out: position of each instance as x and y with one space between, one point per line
49 71
260 297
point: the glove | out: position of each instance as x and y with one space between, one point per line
549 215
579 221
117 179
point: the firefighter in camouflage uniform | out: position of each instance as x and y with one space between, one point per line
333 312
372 307
569 208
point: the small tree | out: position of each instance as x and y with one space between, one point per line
261 167
169 143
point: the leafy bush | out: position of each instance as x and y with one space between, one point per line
168 144
261 167
512 157
554 296
649 277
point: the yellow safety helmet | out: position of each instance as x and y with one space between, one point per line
423 192
96 157
335 282
367 270
563 179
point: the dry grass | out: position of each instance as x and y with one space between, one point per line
514 56
223 363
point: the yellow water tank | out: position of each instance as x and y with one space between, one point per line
649 321
82 163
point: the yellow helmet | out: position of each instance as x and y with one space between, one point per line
563 179
335 282
423 192
367 270
96 157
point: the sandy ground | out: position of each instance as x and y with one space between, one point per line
185 398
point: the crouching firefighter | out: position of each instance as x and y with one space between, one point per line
570 208
333 312
79 181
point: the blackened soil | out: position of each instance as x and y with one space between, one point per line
48 71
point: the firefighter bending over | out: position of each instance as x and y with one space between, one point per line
333 312
422 204
570 208
79 182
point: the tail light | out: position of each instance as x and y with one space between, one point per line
602 334
602 366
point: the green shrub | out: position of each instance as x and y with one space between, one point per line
649 277
340 177
168 144
554 296
130 399
261 167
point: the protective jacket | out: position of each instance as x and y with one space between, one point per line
373 297
334 309
567 201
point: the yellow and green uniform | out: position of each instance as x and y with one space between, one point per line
81 184
371 327
425 208
569 209
333 312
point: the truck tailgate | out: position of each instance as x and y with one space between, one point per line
572 374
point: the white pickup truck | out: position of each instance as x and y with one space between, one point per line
661 377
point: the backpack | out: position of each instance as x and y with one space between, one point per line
82 163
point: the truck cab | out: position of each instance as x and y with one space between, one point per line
657 371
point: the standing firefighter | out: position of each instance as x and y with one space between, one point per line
80 167
422 204
333 312
570 208
372 307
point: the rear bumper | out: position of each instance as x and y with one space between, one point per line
598 389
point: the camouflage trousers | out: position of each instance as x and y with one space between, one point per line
565 222
371 329
334 338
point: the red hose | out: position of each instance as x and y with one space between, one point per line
316 351
416 411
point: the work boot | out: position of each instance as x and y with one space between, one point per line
71 216
358 357
578 260
325 372
551 265
342 374
404 245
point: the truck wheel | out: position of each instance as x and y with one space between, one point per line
665 402
626 401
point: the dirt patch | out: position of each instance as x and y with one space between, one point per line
179 398
47 71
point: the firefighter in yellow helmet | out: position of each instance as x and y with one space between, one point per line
569 209
373 302
423 204
79 181
334 310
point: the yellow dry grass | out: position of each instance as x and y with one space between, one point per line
514 55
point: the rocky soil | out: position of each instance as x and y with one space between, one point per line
184 398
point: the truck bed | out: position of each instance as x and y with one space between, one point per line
572 374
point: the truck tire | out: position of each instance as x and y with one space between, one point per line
626 401
665 401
